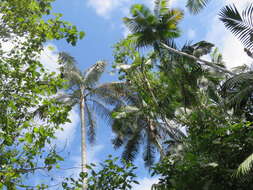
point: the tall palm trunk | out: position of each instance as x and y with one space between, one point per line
83 138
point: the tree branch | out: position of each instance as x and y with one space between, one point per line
208 63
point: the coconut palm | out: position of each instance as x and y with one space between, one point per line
93 99
150 28
135 128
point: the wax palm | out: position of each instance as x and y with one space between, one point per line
149 28
93 99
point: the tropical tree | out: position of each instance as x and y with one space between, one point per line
195 6
149 119
92 98
135 126
25 86
149 28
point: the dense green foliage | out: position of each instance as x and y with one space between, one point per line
28 120
193 117
214 108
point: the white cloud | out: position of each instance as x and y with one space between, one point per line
239 4
49 57
106 7
66 136
233 52
145 183
191 33
93 152
173 3
126 31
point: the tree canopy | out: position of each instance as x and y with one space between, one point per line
177 103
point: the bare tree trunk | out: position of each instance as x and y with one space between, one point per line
83 139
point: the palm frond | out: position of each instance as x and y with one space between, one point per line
68 69
133 25
240 25
93 74
118 89
107 95
140 11
101 110
172 18
68 99
117 142
149 151
65 59
161 7
245 166
235 81
195 6
173 132
237 91
149 29
131 149
239 99
91 123
138 22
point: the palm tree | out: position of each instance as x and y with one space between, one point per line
195 6
238 90
133 127
150 28
92 98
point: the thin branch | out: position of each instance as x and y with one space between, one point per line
208 63
25 170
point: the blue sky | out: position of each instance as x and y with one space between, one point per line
102 22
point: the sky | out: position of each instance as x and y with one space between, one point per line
101 20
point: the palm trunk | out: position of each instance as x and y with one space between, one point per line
83 139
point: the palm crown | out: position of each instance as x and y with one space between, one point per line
150 28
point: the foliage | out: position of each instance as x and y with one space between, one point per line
24 88
110 176
148 29
240 25
195 6
237 92
162 85
210 155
